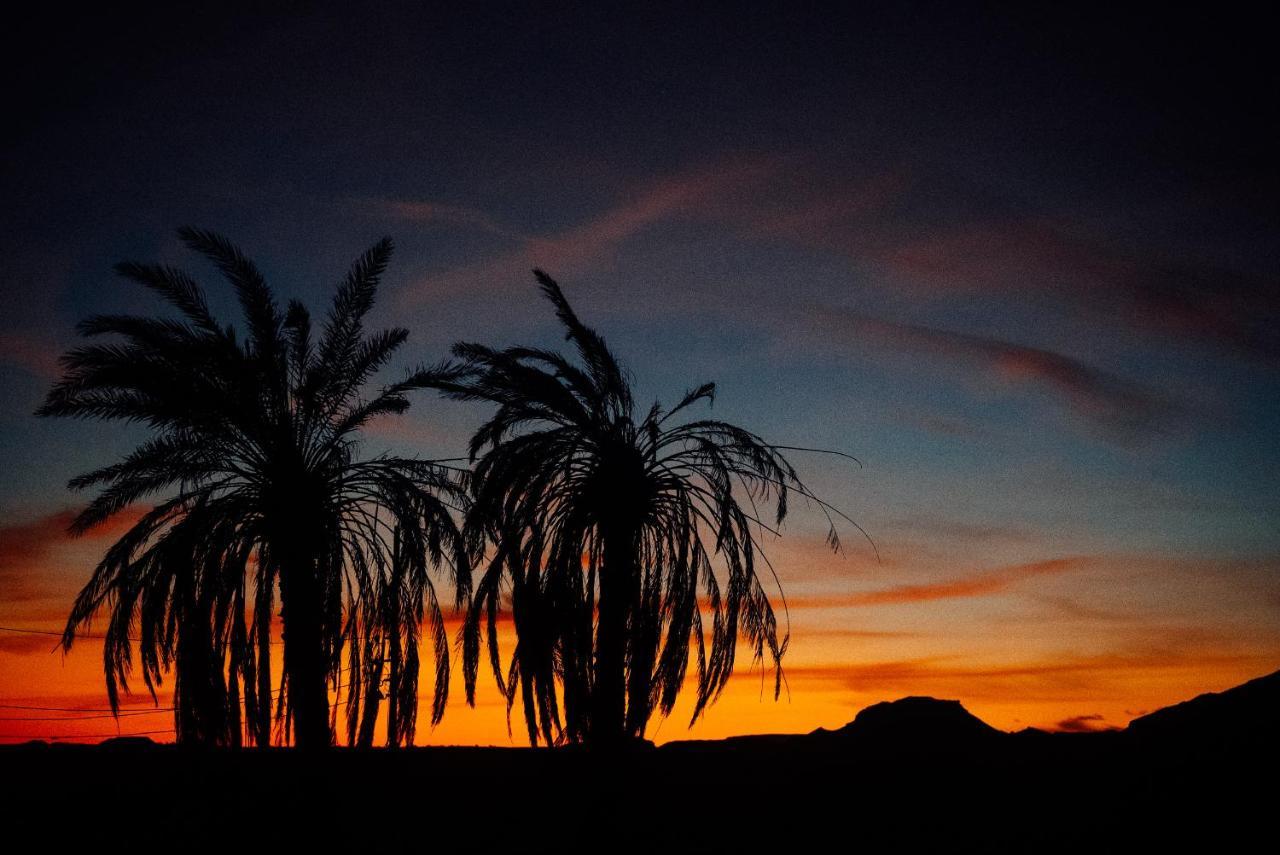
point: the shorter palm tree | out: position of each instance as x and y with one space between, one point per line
255 454
618 534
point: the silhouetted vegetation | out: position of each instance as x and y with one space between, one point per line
619 535
254 458
616 530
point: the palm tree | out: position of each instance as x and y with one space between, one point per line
608 530
254 448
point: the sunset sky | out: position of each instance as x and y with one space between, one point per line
1023 267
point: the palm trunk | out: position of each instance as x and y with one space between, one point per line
262 673
393 696
305 669
617 587
233 710
392 606
643 637
609 689
372 700
200 701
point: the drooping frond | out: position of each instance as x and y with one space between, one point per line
261 500
629 548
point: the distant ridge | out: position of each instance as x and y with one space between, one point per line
917 719
1245 716
906 724
130 742
1247 713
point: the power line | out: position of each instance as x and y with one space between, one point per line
77 709
39 631
77 635
73 736
80 735
82 717
274 694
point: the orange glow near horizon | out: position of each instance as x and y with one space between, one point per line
1020 638
1018 643
1010 696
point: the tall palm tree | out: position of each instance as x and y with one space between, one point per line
614 533
254 462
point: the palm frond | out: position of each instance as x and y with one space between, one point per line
615 538
261 500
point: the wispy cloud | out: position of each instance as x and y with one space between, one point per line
939 236
1211 303
936 527
858 634
921 673
1124 410
27 548
18 644
1091 723
803 202
425 212
22 544
1149 291
877 219
974 585
994 255
590 244
37 355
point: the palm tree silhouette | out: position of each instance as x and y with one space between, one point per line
608 530
254 443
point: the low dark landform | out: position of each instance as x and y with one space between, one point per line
913 773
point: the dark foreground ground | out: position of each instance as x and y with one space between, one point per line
1081 791
917 774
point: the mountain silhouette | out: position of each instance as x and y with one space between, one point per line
129 742
916 719
1243 715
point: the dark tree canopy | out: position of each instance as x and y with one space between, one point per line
620 535
259 488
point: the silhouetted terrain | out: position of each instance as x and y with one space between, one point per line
913 772
916 720
1245 715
